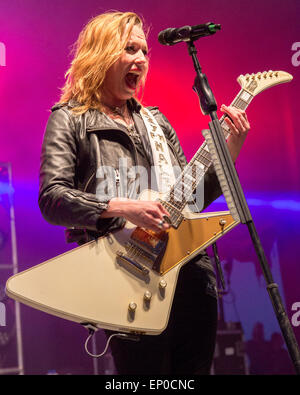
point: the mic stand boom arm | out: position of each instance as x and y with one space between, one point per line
236 201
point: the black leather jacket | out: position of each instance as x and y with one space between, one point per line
74 147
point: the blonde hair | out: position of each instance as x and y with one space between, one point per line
99 45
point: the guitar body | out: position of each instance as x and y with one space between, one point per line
92 284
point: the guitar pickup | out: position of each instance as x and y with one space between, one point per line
152 241
135 265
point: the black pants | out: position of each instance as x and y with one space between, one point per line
187 345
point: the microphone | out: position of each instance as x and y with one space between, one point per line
173 36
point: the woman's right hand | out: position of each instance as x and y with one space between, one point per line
145 214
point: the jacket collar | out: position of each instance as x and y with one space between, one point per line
133 104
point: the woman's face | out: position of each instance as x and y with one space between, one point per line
125 75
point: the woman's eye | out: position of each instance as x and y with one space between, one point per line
130 48
133 49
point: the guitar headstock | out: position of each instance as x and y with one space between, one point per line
256 83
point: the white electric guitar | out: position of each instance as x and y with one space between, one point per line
126 280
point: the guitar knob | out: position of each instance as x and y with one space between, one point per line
132 307
147 296
162 284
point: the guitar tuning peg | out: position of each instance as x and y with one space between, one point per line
265 74
276 74
259 76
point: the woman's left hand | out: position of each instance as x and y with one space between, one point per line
239 128
238 121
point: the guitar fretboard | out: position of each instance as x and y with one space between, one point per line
180 193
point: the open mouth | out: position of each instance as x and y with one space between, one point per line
131 80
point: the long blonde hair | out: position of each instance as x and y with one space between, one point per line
99 45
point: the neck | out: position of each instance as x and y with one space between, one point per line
120 106
111 101
122 114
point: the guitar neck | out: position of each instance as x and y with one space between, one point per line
180 193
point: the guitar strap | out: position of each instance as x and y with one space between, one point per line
161 157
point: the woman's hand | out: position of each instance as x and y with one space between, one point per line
145 214
238 121
239 128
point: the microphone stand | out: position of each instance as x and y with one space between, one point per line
209 107
220 286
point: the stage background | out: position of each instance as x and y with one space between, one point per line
256 36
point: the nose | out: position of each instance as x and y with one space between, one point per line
141 58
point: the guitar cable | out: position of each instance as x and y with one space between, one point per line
92 330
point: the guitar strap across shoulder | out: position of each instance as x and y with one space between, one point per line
161 157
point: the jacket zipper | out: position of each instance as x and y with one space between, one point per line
117 174
117 177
